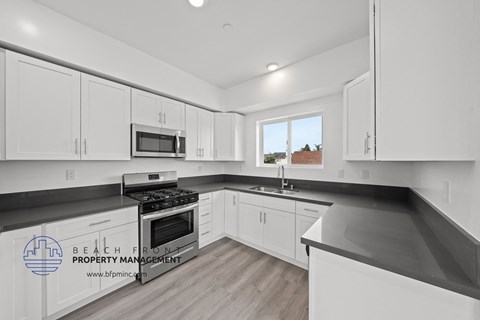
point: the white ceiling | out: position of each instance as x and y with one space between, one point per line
264 31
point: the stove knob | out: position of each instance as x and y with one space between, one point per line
175 202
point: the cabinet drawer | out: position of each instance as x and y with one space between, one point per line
205 214
279 204
311 209
252 199
70 228
205 198
205 231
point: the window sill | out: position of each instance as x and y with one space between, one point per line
316 167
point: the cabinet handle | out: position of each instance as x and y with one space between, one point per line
364 146
160 117
104 242
76 145
234 200
164 118
85 150
206 214
97 223
205 233
260 216
264 217
96 245
368 142
310 210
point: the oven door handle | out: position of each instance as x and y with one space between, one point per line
169 212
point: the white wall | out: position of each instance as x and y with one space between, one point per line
383 173
27 24
307 79
17 176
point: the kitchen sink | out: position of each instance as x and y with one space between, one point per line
287 192
274 190
264 189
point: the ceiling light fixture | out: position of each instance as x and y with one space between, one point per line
197 3
272 66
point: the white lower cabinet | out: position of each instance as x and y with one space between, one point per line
279 232
266 227
231 213
302 224
118 242
71 284
110 234
211 217
250 223
20 289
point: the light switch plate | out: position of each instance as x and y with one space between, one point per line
365 174
71 174
341 173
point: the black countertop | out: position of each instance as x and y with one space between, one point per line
384 233
28 217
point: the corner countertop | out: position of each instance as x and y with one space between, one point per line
387 234
29 217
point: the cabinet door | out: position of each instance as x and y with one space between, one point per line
218 211
224 136
426 82
21 290
70 283
303 223
231 213
239 137
250 223
192 140
279 232
105 119
173 114
42 110
205 127
358 120
121 241
146 108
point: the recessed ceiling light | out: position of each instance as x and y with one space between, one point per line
272 66
197 3
227 27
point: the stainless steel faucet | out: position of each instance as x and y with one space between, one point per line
282 169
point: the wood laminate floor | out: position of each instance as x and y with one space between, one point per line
227 281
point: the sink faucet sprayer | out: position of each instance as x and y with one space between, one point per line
282 169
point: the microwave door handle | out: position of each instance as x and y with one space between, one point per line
177 143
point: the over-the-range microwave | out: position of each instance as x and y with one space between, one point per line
153 142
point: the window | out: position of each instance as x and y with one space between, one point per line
292 141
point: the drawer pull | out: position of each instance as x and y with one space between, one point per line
206 214
204 199
311 210
205 233
97 223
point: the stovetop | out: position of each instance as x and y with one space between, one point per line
160 194
159 199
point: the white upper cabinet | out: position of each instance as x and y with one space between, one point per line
173 114
153 110
425 64
358 120
229 137
146 108
199 131
105 119
42 110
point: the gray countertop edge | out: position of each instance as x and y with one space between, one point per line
74 214
447 285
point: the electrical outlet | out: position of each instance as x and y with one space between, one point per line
341 173
365 174
446 191
71 174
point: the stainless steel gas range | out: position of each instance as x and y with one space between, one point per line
168 218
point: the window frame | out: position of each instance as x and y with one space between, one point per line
260 140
